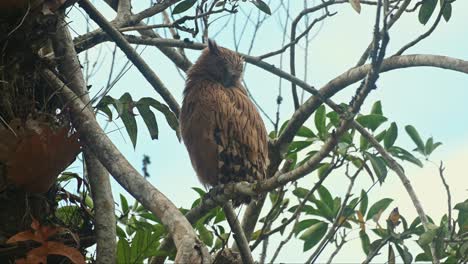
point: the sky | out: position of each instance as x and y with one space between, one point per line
432 100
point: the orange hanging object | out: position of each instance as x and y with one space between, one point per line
35 154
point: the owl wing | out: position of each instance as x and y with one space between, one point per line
241 138
224 134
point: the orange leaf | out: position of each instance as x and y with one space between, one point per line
37 255
24 236
73 254
42 234
361 221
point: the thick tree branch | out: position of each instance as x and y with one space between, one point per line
190 248
101 191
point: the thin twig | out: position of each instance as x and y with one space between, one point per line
449 197
425 34
238 233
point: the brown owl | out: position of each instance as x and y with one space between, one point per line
222 130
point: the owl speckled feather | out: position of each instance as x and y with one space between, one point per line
221 128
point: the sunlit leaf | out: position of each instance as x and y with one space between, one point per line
313 235
379 206
372 121
304 224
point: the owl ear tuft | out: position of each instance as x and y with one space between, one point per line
213 47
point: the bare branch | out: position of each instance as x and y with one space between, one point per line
449 197
151 11
426 34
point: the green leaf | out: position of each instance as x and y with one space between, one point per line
205 235
297 146
365 241
262 6
378 207
305 132
364 203
301 192
378 164
427 237
431 146
313 235
304 224
171 118
320 122
391 135
220 216
447 13
120 232
334 118
325 196
123 251
381 136
426 10
70 215
149 118
404 155
377 108
363 143
106 110
462 216
128 117
372 121
183 6
124 204
200 191
323 170
404 254
413 133
324 210
423 257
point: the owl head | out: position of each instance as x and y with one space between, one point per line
220 65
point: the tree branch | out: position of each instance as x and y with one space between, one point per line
132 55
101 191
190 248
238 233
